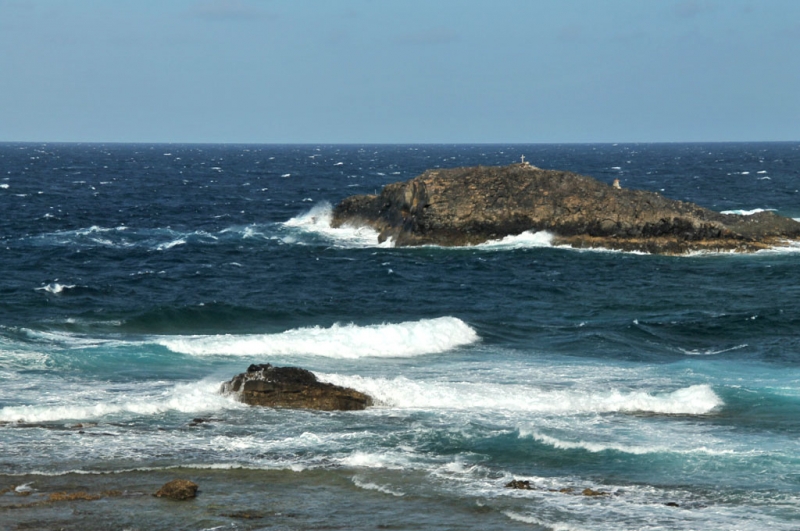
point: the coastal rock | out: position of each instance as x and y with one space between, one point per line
472 205
292 387
177 489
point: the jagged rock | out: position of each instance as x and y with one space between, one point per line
292 387
472 205
519 484
177 489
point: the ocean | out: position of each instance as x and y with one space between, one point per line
630 391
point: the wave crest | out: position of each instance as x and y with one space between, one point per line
413 338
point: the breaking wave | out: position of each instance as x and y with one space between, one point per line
412 338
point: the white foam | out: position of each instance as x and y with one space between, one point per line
711 352
527 519
4 186
747 212
384 460
525 240
55 288
362 483
411 338
187 398
170 245
404 393
318 221
596 447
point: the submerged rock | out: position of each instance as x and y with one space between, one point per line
177 489
472 205
292 387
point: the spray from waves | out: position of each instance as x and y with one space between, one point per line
318 221
194 397
404 393
526 240
413 338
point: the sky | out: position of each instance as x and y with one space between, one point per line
399 71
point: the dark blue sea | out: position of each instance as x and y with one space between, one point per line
134 279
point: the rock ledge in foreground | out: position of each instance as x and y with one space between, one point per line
292 387
472 205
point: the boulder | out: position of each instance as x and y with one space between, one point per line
472 205
292 387
177 489
519 484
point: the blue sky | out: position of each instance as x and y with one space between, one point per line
411 71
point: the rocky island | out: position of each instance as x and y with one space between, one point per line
473 205
292 387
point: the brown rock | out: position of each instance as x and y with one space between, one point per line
468 206
73 496
177 489
592 492
292 387
519 484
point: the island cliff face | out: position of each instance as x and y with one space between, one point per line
472 205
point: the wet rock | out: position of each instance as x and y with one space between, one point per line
177 489
292 387
592 492
519 484
468 206
73 496
244 515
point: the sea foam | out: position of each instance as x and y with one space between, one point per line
411 338
186 398
318 221
747 212
524 240
405 393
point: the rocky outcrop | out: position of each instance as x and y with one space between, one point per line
177 489
292 387
468 206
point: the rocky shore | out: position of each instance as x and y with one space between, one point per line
472 205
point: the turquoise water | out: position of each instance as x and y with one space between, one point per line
137 278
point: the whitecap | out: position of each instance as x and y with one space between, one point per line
528 519
407 339
170 245
55 288
4 186
596 447
711 352
362 483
